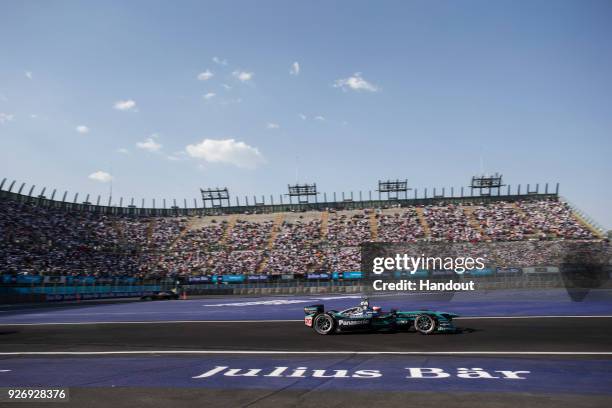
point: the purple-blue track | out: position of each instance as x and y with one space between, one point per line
491 303
544 375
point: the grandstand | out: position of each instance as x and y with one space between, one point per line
58 238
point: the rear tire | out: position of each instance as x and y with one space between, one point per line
425 324
324 324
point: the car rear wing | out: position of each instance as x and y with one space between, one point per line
314 309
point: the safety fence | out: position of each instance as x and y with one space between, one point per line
41 289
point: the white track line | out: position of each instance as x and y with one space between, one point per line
287 320
151 322
531 317
285 352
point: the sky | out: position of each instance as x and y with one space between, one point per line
156 99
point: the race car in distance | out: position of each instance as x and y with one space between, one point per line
366 318
162 295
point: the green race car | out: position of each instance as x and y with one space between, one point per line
365 318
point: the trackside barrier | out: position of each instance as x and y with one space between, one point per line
503 278
541 269
90 296
20 292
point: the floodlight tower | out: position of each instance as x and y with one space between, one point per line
303 192
486 184
393 188
218 197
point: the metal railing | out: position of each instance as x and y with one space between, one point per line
340 201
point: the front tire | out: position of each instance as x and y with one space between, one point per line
425 324
324 324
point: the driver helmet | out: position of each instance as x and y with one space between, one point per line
365 303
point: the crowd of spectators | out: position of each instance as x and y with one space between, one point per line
164 232
249 235
235 262
53 241
344 259
43 240
502 221
553 219
450 223
296 248
400 227
349 230
208 237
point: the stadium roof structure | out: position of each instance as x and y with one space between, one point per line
343 200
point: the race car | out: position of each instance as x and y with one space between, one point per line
162 295
365 318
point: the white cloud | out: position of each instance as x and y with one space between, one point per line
209 95
127 105
219 61
28 74
295 68
243 76
226 86
82 129
6 117
149 145
227 151
205 76
123 150
273 125
355 83
319 118
101 176
176 156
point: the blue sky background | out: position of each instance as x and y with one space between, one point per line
526 85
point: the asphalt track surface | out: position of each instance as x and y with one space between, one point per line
568 360
567 335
